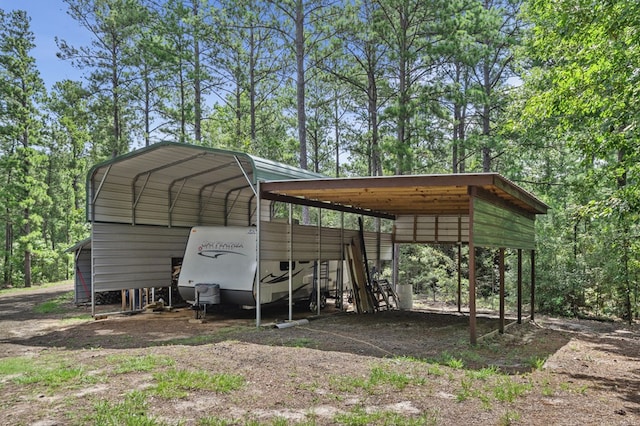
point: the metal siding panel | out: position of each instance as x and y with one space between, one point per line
497 227
126 256
422 229
274 242
83 276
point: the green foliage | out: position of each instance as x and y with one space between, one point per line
431 270
583 97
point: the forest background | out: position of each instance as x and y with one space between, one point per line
543 92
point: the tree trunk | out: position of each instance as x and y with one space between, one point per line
27 252
486 120
252 86
300 84
115 151
197 102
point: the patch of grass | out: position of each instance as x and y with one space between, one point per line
177 383
410 359
302 342
435 370
547 390
536 363
131 412
455 363
16 365
483 373
347 383
201 339
56 377
127 364
55 306
78 318
509 418
379 376
360 417
382 376
50 372
507 390
447 359
215 421
473 356
466 390
14 290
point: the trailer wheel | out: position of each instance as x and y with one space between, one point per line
312 302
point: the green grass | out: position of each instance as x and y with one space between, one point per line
483 373
509 418
447 359
361 417
489 385
35 287
202 339
379 376
48 372
131 412
382 376
302 342
177 383
536 363
16 365
225 333
55 306
507 389
127 364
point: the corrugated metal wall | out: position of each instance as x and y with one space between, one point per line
83 276
497 227
188 206
431 229
126 256
275 236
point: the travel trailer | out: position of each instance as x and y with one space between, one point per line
224 257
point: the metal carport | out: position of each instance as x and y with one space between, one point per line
481 210
141 206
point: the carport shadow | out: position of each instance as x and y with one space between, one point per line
19 306
434 337
622 344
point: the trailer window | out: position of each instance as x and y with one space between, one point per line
284 266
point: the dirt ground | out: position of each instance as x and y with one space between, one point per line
398 367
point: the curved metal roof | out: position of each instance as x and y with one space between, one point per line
172 183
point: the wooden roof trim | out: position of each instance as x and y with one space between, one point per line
326 205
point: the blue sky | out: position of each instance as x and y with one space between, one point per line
48 20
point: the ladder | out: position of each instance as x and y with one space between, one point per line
385 295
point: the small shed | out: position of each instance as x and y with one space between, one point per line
82 270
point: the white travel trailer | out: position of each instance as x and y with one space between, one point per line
225 256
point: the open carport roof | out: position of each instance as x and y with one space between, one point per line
414 195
